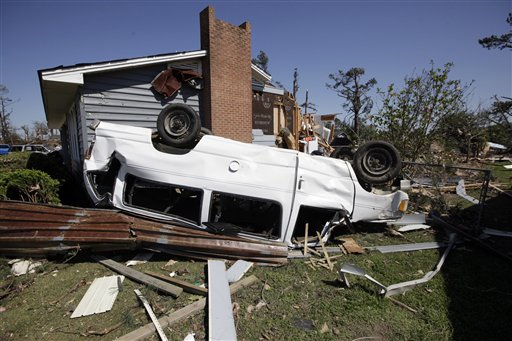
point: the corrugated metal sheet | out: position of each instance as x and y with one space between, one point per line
125 96
100 296
37 229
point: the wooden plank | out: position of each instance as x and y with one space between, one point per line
221 323
139 276
186 286
306 239
325 251
146 331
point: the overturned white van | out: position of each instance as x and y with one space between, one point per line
229 186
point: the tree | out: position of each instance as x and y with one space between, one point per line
501 42
5 114
349 86
261 61
26 132
409 117
500 116
40 131
464 131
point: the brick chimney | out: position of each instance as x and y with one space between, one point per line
227 74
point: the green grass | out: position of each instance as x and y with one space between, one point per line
470 300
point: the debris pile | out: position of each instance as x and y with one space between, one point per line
37 229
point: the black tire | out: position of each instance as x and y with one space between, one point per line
377 162
178 125
343 153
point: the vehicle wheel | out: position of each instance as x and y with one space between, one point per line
343 153
178 125
377 162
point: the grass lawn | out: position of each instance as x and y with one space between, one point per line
470 299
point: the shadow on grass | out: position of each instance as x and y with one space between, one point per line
479 283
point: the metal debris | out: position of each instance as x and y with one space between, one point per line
221 324
398 288
237 270
100 296
407 247
461 191
38 229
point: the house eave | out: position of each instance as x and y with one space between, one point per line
59 85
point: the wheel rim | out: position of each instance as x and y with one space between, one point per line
177 124
377 161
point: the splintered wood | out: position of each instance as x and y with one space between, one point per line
325 258
350 246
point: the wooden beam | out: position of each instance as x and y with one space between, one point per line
325 251
139 276
146 331
186 286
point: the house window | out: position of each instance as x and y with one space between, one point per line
163 198
247 214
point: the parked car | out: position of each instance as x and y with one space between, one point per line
39 148
4 149
229 186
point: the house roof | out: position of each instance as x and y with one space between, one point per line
59 85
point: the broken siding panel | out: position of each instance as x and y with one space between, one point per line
125 96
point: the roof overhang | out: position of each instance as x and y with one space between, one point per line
59 85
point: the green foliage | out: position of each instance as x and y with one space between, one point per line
501 42
29 185
350 86
410 116
13 161
261 61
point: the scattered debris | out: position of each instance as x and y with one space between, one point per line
139 276
186 286
151 314
146 331
401 304
407 247
190 337
497 233
81 283
415 227
324 329
99 298
221 324
22 267
351 246
461 191
398 288
409 219
238 270
140 258
39 229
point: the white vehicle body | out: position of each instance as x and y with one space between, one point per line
220 170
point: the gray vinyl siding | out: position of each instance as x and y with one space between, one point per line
125 96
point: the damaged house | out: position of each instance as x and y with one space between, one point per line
139 131
121 91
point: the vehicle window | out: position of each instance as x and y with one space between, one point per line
315 217
252 215
28 148
163 198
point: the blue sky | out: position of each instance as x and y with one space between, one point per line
390 39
